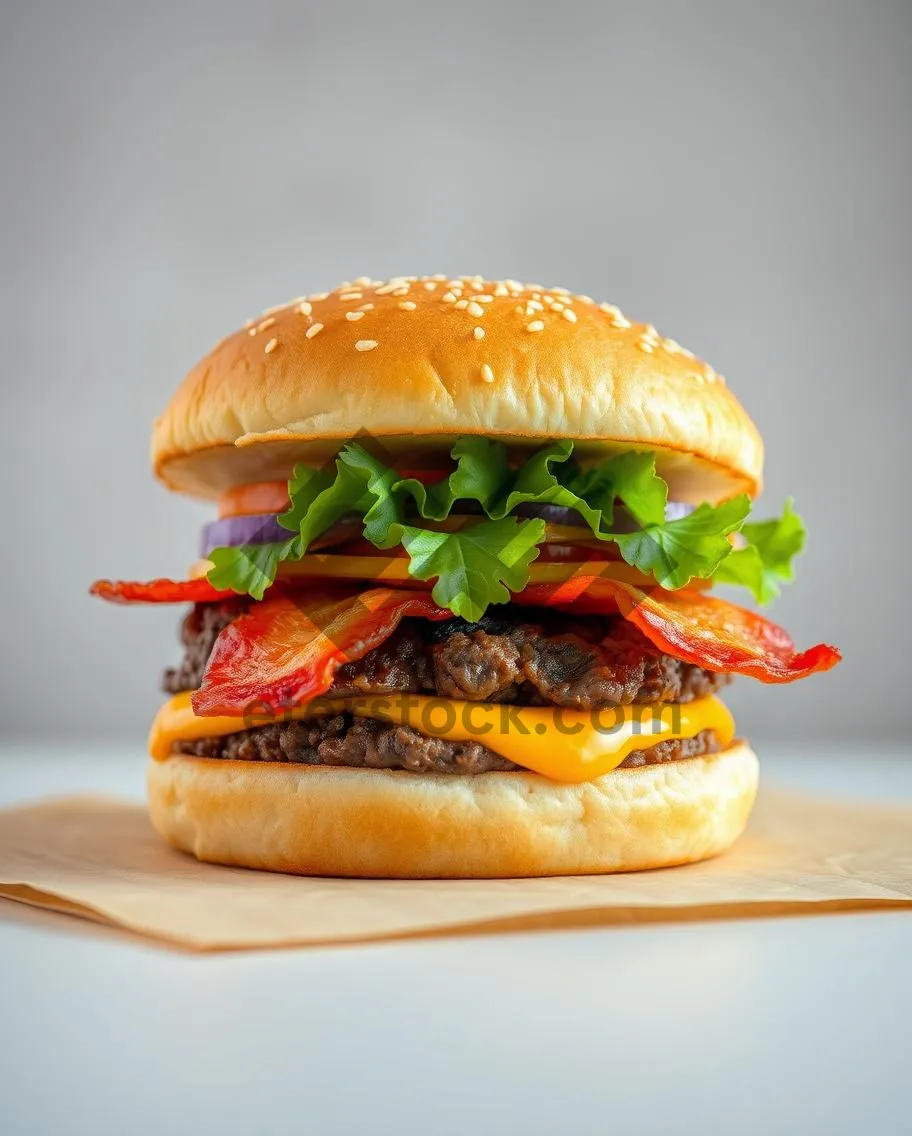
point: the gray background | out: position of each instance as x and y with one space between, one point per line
739 174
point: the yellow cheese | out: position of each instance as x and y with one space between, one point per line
565 745
394 570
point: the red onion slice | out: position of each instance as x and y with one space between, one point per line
264 528
623 522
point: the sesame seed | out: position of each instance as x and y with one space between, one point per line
366 344
304 308
584 299
561 291
456 285
534 306
501 290
318 296
354 316
266 323
486 373
274 308
484 298
362 281
535 325
478 332
438 276
569 314
385 289
271 346
314 329
461 305
475 310
252 331
408 305
346 296
430 286
403 291
448 298
646 345
556 307
618 319
366 308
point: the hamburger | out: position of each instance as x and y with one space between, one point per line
454 616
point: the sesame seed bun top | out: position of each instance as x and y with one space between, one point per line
418 361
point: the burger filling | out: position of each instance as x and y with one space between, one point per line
523 590
515 656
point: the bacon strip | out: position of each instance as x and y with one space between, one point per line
693 626
285 651
287 648
159 591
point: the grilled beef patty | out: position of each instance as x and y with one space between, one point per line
552 659
365 743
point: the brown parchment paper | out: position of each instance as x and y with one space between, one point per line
99 858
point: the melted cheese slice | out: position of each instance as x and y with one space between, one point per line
564 745
394 570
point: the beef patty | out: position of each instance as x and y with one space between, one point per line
365 743
551 659
507 657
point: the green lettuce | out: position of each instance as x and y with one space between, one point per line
480 561
766 558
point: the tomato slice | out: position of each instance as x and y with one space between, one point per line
260 497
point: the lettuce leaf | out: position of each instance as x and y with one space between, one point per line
694 546
767 558
481 561
476 566
251 568
632 479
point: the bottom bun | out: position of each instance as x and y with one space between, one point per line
327 821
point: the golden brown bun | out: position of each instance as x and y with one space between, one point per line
322 821
413 367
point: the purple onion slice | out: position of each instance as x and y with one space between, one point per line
264 528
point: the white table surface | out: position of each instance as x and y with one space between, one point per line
797 1024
